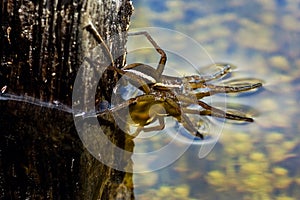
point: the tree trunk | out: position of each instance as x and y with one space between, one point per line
43 48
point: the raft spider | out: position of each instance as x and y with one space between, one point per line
171 96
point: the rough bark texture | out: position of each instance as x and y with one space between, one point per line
43 45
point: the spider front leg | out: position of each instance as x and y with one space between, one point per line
141 82
140 73
240 86
91 28
209 73
200 87
163 58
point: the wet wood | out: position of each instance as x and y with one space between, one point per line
43 46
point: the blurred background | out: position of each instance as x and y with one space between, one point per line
259 160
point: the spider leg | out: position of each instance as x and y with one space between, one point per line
209 110
140 74
188 125
90 28
163 58
137 81
143 70
210 89
159 127
233 89
209 73
218 71
215 112
173 109
140 104
137 131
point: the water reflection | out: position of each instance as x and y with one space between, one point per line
256 161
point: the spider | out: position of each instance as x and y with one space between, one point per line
164 95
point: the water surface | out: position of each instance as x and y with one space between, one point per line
252 161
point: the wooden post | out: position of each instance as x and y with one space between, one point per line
43 45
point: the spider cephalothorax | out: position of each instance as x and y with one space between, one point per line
164 95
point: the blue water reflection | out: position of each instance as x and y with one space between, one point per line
253 161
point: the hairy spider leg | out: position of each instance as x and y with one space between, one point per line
146 72
215 89
159 127
209 110
161 65
91 28
163 58
221 70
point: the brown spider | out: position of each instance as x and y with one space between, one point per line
171 96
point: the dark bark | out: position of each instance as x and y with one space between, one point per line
43 45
